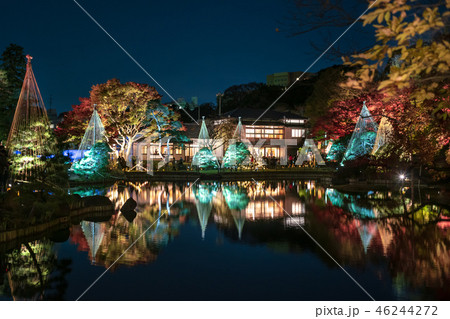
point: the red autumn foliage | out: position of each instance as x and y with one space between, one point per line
341 118
74 123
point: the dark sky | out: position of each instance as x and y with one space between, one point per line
192 48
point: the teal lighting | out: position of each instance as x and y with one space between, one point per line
236 198
236 155
204 158
203 201
363 137
95 161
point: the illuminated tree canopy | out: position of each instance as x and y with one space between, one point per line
204 158
338 148
384 134
94 162
236 155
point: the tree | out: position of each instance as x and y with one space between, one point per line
95 161
29 159
235 155
162 121
71 129
124 107
221 132
324 20
326 90
13 67
413 53
413 37
340 118
260 96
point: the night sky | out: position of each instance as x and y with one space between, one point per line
192 48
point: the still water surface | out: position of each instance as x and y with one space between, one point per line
240 241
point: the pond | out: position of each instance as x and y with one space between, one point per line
240 241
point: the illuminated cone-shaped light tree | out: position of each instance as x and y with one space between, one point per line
204 158
92 156
93 232
363 137
384 134
237 200
30 138
237 153
366 231
95 133
203 201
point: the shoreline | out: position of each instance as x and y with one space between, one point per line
324 175
11 238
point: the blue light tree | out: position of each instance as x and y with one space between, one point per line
363 137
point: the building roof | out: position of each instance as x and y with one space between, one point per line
253 114
248 116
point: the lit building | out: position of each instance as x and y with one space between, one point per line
266 136
272 127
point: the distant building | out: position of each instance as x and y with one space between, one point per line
286 78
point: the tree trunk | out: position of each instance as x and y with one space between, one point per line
128 146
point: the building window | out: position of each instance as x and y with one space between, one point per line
272 151
298 132
190 151
164 150
178 151
144 150
276 132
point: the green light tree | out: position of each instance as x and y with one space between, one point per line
235 155
94 163
28 157
204 158
237 152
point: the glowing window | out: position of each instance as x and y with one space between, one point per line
298 208
298 132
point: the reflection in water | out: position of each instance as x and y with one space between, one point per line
350 203
237 200
93 233
35 273
403 244
367 230
203 201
